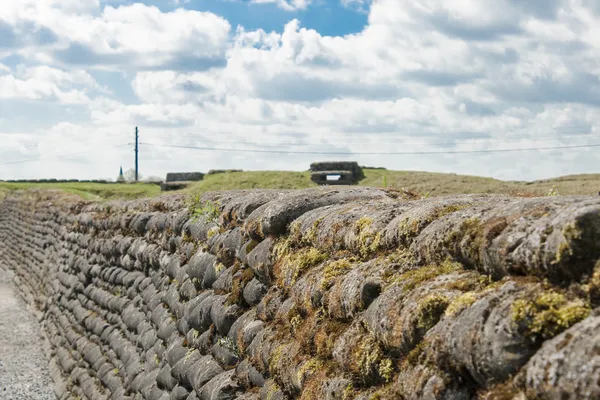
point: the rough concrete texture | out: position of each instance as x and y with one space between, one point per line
324 293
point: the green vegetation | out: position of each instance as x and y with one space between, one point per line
89 191
413 278
292 265
548 314
253 180
333 270
423 183
430 311
460 303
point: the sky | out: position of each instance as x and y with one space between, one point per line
508 89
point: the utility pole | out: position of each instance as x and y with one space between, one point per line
136 152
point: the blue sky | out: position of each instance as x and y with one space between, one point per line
449 85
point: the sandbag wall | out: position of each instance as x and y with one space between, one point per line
324 293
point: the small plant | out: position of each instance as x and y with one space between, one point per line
385 181
189 354
553 192
209 210
227 343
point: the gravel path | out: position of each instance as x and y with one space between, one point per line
23 366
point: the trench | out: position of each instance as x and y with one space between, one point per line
23 366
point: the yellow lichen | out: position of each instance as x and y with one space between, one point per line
333 270
548 314
460 303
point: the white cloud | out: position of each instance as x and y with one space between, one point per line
46 83
288 5
359 5
422 76
135 35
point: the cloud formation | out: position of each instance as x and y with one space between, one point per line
428 76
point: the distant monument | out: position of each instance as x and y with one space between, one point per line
336 173
121 177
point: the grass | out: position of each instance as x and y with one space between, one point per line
435 184
89 191
254 180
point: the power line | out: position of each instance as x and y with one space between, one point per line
515 137
371 153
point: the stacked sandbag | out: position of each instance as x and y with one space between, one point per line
323 293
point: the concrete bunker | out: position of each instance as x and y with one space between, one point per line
336 173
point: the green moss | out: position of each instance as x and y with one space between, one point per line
386 369
430 311
310 236
373 366
369 241
333 270
413 278
238 284
283 247
296 322
460 303
212 232
571 233
593 287
471 282
413 357
251 246
308 369
548 314
275 358
189 353
471 229
349 392
363 223
449 209
187 238
401 256
294 264
219 268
